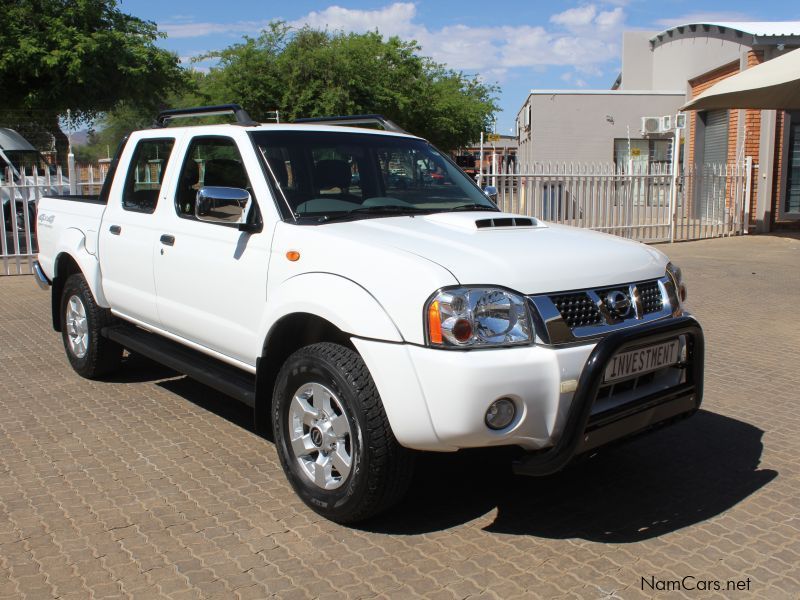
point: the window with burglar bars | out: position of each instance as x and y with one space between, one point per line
791 201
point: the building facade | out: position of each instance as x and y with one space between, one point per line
588 126
661 72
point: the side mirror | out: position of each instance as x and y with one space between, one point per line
222 205
491 191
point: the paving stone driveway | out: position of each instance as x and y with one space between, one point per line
154 486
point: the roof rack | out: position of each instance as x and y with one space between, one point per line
375 121
242 118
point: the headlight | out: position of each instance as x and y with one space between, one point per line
676 275
477 318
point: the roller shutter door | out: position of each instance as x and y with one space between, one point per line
715 155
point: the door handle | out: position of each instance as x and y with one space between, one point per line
169 240
115 229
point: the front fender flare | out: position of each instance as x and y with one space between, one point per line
337 299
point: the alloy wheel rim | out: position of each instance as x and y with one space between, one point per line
320 436
77 327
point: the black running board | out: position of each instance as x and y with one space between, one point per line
205 369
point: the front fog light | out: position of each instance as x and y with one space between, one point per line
500 413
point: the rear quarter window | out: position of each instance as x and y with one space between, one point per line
145 174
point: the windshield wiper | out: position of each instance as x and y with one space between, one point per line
473 206
378 210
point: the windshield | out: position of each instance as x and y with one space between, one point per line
333 175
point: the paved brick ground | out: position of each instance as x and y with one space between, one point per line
154 486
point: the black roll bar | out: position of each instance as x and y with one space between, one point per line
242 118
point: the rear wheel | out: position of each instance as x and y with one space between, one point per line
333 438
90 354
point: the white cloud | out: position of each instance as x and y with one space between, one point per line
194 29
591 37
574 18
395 19
611 19
580 37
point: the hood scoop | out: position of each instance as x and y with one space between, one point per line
506 222
472 221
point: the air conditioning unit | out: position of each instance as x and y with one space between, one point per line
651 125
680 121
666 123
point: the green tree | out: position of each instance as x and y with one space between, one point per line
105 136
81 55
308 73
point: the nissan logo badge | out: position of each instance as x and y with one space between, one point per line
619 302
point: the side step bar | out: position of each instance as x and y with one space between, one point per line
213 373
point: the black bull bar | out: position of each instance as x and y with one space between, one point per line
581 435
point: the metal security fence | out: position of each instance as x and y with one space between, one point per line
20 192
652 204
649 204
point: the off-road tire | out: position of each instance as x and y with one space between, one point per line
381 469
102 355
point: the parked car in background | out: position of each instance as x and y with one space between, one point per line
18 157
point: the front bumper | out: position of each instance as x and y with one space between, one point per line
437 399
583 433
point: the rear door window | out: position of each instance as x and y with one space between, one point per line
145 174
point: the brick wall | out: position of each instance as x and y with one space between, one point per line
752 121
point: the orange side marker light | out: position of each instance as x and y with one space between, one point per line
434 323
293 255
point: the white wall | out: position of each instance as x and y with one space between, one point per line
671 64
637 61
676 62
574 126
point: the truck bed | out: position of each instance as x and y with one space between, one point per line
56 215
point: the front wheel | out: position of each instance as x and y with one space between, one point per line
333 437
90 354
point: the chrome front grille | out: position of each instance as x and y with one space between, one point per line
577 309
652 299
584 314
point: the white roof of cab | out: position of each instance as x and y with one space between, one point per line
273 127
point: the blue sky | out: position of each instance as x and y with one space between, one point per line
517 44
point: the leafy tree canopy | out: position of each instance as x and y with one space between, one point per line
312 73
82 55
309 73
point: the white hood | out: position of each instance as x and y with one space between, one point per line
530 259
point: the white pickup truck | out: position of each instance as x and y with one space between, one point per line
367 300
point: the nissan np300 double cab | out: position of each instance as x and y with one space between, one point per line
366 299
